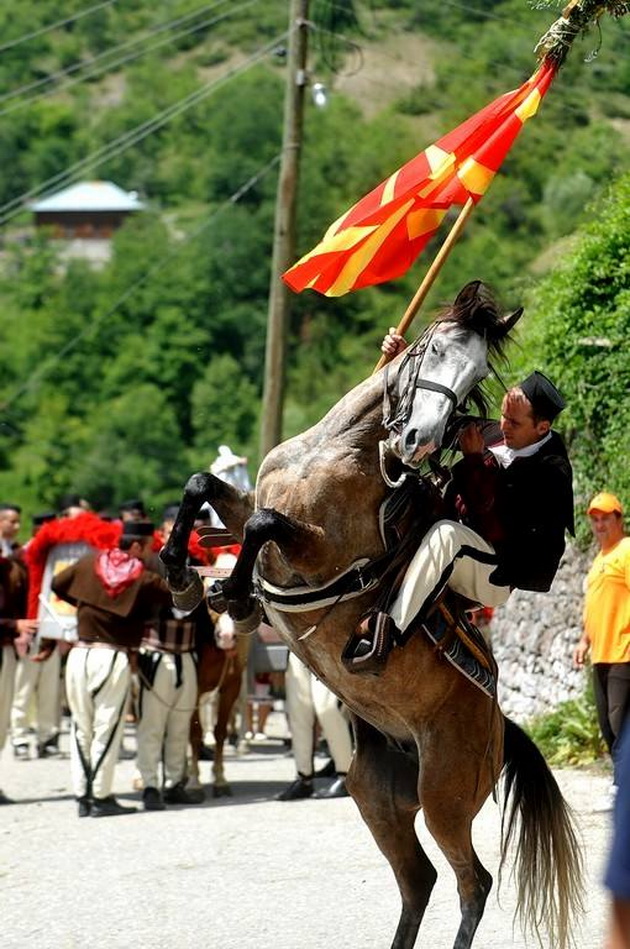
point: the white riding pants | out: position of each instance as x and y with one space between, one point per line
453 555
38 681
97 689
164 722
7 680
308 699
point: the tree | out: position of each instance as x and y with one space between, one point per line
581 323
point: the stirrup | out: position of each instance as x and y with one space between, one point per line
369 646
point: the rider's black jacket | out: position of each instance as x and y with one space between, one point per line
522 510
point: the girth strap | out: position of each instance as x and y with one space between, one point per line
357 579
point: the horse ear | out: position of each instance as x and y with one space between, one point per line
509 321
468 295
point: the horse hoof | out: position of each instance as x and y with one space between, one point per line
188 598
223 790
246 617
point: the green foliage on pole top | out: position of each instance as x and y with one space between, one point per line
578 16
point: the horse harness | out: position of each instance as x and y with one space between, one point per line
402 524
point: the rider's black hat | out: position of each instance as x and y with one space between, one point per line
545 399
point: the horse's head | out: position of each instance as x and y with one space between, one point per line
442 368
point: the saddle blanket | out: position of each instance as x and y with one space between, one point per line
456 652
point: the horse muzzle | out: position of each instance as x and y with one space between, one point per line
410 450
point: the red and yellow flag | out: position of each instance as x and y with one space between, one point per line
380 237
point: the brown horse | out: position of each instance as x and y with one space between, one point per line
219 669
425 736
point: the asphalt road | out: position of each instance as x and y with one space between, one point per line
245 872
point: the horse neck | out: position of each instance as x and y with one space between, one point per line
358 416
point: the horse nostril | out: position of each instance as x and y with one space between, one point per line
411 439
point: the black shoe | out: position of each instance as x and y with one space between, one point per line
21 751
152 800
48 749
368 648
109 807
328 771
298 790
178 794
85 806
337 789
5 800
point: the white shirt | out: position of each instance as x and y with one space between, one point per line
505 456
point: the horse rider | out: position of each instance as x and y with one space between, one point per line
514 501
116 596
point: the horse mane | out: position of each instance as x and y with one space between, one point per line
476 307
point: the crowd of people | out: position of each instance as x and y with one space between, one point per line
133 656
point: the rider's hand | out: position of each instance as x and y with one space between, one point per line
393 343
471 440
27 627
579 653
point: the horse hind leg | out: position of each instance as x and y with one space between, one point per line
450 800
383 783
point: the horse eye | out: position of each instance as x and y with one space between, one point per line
437 347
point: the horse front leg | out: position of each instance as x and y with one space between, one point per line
232 506
383 782
300 543
228 694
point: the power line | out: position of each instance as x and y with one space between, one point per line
109 65
38 374
54 26
135 135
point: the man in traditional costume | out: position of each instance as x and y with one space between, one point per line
115 595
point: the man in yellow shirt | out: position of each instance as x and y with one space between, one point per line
607 620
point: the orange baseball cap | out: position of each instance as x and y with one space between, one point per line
606 503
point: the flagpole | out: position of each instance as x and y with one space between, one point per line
430 276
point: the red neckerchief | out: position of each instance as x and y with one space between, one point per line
117 570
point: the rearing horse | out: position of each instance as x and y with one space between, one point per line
425 736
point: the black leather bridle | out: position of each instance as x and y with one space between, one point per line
396 417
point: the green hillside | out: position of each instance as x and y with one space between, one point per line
123 380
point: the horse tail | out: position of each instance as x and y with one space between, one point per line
549 866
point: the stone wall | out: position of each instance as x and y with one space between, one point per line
533 637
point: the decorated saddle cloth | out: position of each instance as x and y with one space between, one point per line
459 641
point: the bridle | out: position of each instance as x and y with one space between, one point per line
395 417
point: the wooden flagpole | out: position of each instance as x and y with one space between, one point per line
430 276
555 44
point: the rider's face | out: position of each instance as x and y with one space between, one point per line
517 424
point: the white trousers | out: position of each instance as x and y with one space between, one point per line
165 711
37 689
450 554
308 699
97 688
7 681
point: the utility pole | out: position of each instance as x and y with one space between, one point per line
284 228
